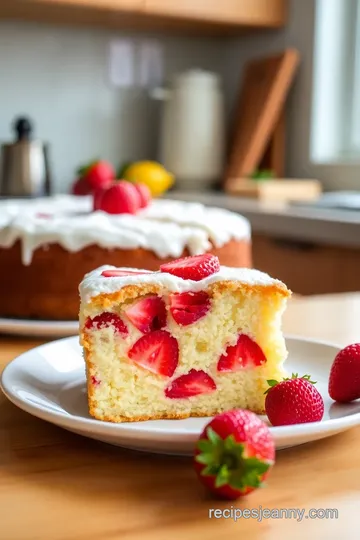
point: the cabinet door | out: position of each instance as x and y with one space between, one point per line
237 12
103 4
308 268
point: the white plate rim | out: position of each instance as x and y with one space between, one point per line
139 430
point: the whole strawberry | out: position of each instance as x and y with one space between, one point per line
344 380
99 174
234 454
293 401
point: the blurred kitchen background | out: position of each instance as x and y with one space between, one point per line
277 140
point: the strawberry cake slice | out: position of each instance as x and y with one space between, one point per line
192 339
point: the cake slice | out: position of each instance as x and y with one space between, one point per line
193 339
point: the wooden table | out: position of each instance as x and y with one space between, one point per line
59 486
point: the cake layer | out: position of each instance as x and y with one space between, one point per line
167 228
210 345
48 287
48 244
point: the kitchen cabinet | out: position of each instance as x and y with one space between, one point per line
234 12
104 4
202 16
308 268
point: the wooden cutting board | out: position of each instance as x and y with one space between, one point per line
262 98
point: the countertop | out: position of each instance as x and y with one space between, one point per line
290 221
58 486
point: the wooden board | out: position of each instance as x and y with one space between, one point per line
262 98
278 190
274 157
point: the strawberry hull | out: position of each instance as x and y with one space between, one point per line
234 454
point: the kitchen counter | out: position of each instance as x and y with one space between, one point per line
291 221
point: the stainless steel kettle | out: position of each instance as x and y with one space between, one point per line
25 168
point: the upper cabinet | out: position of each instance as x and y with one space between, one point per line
104 4
242 13
214 16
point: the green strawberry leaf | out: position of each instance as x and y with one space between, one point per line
226 461
230 443
84 169
213 437
204 459
122 169
204 445
262 174
271 383
255 464
222 477
296 376
210 470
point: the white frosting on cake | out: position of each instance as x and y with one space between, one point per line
166 227
94 283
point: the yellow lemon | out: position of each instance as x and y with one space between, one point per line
151 173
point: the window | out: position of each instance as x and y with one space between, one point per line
335 130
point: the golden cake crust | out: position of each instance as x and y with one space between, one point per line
48 288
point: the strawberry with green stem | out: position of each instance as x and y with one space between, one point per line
234 454
293 400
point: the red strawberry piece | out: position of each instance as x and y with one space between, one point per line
293 401
144 194
94 380
245 353
191 384
100 175
157 352
121 273
187 308
120 198
81 187
195 268
148 314
234 454
106 319
344 380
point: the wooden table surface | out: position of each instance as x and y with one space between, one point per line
55 485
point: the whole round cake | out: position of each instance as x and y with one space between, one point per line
47 245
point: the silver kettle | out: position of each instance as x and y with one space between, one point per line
25 170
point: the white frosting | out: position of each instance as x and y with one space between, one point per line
166 227
94 283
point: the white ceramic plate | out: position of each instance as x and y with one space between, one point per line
49 382
18 327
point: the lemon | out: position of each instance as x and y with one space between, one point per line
150 173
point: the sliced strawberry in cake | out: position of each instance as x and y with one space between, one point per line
147 314
193 339
107 320
191 384
187 308
157 352
245 353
